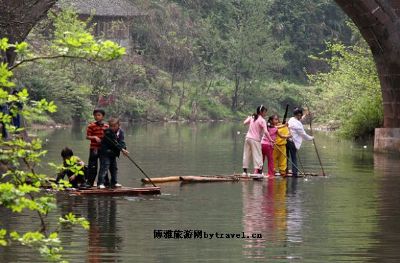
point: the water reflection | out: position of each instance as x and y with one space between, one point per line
265 212
77 133
104 241
387 236
294 213
272 208
254 219
351 215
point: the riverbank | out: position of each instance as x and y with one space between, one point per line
36 126
53 125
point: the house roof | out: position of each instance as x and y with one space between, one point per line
120 8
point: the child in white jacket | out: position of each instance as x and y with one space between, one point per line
298 135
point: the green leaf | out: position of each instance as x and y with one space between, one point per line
3 233
5 75
21 48
4 44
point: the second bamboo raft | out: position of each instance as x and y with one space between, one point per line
209 178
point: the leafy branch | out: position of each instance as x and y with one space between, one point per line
21 187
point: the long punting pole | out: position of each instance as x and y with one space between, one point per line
301 172
130 159
315 145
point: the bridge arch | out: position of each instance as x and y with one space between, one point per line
379 24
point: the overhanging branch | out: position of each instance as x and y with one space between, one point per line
91 60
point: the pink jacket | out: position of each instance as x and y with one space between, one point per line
256 128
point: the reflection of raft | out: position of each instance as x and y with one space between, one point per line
210 178
123 191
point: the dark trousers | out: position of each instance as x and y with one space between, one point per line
292 154
108 163
94 157
79 179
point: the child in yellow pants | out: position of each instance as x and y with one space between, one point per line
280 160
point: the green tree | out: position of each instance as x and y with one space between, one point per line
304 26
349 93
21 184
247 52
165 37
66 58
192 59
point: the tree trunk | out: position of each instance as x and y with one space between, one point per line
17 18
209 86
235 93
171 92
193 114
181 99
379 22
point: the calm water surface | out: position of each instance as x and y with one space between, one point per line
352 215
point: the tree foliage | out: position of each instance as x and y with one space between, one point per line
192 59
304 27
349 94
196 60
65 58
248 45
20 184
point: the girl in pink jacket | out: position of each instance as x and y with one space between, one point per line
252 144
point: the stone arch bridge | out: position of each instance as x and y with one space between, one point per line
379 23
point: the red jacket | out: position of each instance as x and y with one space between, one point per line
96 129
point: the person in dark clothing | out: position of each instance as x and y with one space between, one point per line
112 145
95 133
69 161
16 106
5 110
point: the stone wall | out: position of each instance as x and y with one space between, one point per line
387 140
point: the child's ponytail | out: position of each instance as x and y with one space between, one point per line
259 109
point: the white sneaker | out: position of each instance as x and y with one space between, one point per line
245 174
277 174
102 186
117 185
257 176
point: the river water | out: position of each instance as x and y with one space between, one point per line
351 215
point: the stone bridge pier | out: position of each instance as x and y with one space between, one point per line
379 24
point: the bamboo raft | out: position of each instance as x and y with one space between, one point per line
123 191
212 178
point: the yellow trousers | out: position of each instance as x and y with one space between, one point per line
280 161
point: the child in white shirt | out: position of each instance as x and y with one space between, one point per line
298 134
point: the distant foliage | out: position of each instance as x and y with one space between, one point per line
349 93
304 26
249 46
61 64
201 60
